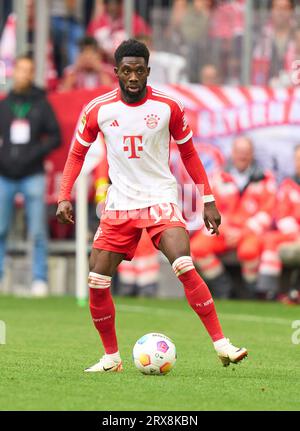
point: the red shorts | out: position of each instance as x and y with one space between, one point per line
120 231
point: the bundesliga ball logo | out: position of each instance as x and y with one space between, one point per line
154 354
152 121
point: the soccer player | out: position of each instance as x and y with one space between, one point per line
137 123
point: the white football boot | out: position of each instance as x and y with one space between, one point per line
229 353
106 365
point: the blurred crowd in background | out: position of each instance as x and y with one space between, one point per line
200 42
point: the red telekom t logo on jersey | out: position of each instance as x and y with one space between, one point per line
133 144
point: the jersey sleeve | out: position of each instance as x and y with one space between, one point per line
179 127
86 134
196 170
88 128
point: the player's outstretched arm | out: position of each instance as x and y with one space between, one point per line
195 168
71 171
86 134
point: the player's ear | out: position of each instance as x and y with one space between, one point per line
148 70
116 70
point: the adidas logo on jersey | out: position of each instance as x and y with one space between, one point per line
114 124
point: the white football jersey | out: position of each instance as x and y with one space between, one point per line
137 138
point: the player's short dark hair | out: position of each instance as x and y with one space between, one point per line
116 1
131 48
26 56
87 41
292 3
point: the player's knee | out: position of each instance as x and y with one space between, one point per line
98 281
182 264
178 254
175 251
98 265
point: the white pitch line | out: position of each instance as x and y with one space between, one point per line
256 319
241 317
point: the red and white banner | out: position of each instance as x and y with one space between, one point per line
223 111
271 117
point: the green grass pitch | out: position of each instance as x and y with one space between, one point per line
51 341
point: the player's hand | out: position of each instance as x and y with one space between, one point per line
64 213
212 217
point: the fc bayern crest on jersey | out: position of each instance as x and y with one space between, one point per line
152 121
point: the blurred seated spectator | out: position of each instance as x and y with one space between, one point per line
166 67
178 11
245 196
287 219
89 71
226 36
28 133
8 48
233 70
228 19
172 36
271 50
195 22
194 28
293 59
66 30
209 75
108 27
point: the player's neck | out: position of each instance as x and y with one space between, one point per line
133 99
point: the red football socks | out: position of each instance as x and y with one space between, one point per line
197 293
103 310
198 296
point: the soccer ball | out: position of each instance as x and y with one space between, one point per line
154 354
